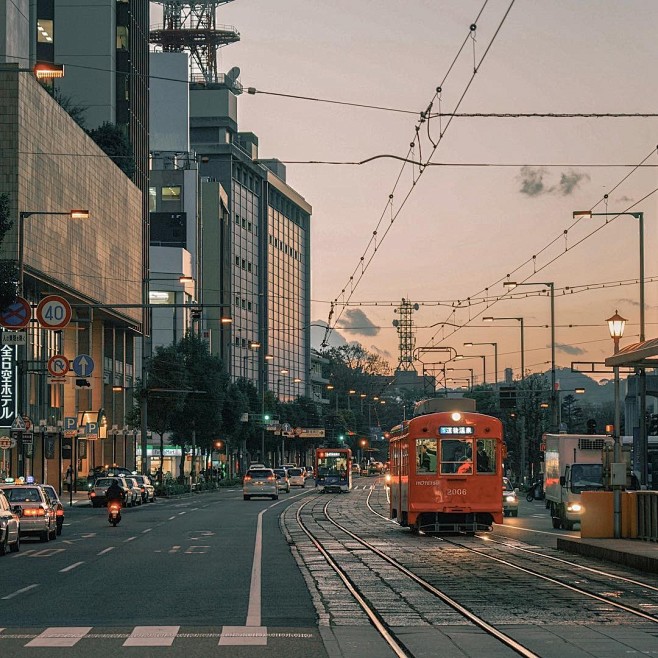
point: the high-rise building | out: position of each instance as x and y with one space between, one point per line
267 247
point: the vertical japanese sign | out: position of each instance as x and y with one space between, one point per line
8 384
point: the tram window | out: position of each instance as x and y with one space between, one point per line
486 456
426 456
456 456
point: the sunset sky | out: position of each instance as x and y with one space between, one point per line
464 229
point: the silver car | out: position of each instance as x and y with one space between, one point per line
38 514
10 523
260 482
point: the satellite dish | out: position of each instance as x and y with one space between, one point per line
231 79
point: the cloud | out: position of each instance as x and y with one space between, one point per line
623 199
383 353
355 321
318 329
569 182
532 182
569 349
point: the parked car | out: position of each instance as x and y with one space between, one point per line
59 507
146 486
97 494
260 482
135 490
297 477
10 525
38 514
282 481
510 499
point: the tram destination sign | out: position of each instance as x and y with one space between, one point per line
456 429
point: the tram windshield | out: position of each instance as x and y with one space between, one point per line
426 456
330 465
457 456
485 458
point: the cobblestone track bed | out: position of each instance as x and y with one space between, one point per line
398 600
506 587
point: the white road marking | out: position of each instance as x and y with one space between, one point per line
19 592
106 550
181 513
174 549
171 518
70 567
243 635
59 637
192 550
129 539
23 553
47 552
152 636
254 610
147 530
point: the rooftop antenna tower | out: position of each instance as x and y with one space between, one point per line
406 334
192 27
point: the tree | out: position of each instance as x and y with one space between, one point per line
8 268
112 140
199 421
75 111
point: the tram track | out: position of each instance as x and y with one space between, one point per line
607 599
376 619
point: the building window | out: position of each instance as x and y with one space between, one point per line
122 37
244 264
237 261
248 267
44 31
171 193
237 220
249 227
153 195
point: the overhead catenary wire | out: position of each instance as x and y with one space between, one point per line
365 264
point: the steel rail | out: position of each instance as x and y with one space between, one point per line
374 617
428 587
573 588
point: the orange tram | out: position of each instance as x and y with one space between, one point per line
447 468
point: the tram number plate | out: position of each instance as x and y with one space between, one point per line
456 492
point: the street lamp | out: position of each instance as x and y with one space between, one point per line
644 449
461 357
551 286
616 326
495 346
491 319
469 370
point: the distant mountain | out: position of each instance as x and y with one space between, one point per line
595 392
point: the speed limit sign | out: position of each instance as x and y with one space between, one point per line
54 312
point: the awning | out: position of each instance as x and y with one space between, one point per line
637 355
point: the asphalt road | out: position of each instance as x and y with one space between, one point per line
183 567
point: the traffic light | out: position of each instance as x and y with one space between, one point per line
195 313
267 418
591 426
218 445
341 438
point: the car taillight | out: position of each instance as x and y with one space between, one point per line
92 494
34 511
247 478
60 512
271 478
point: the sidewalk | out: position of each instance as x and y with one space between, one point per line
642 555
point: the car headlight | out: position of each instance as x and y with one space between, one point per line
510 499
574 507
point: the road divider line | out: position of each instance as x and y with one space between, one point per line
18 592
171 518
70 567
147 530
254 610
106 550
129 539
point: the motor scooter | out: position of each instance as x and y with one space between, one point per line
114 512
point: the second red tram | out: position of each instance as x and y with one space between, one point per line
447 468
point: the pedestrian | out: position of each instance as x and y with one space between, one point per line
69 478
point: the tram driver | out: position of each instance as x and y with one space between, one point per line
427 457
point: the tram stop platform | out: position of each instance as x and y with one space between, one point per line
636 553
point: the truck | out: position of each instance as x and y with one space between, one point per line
573 463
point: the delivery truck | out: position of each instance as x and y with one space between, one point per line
573 463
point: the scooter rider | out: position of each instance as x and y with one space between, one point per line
114 493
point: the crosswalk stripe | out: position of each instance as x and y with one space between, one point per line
59 637
152 636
